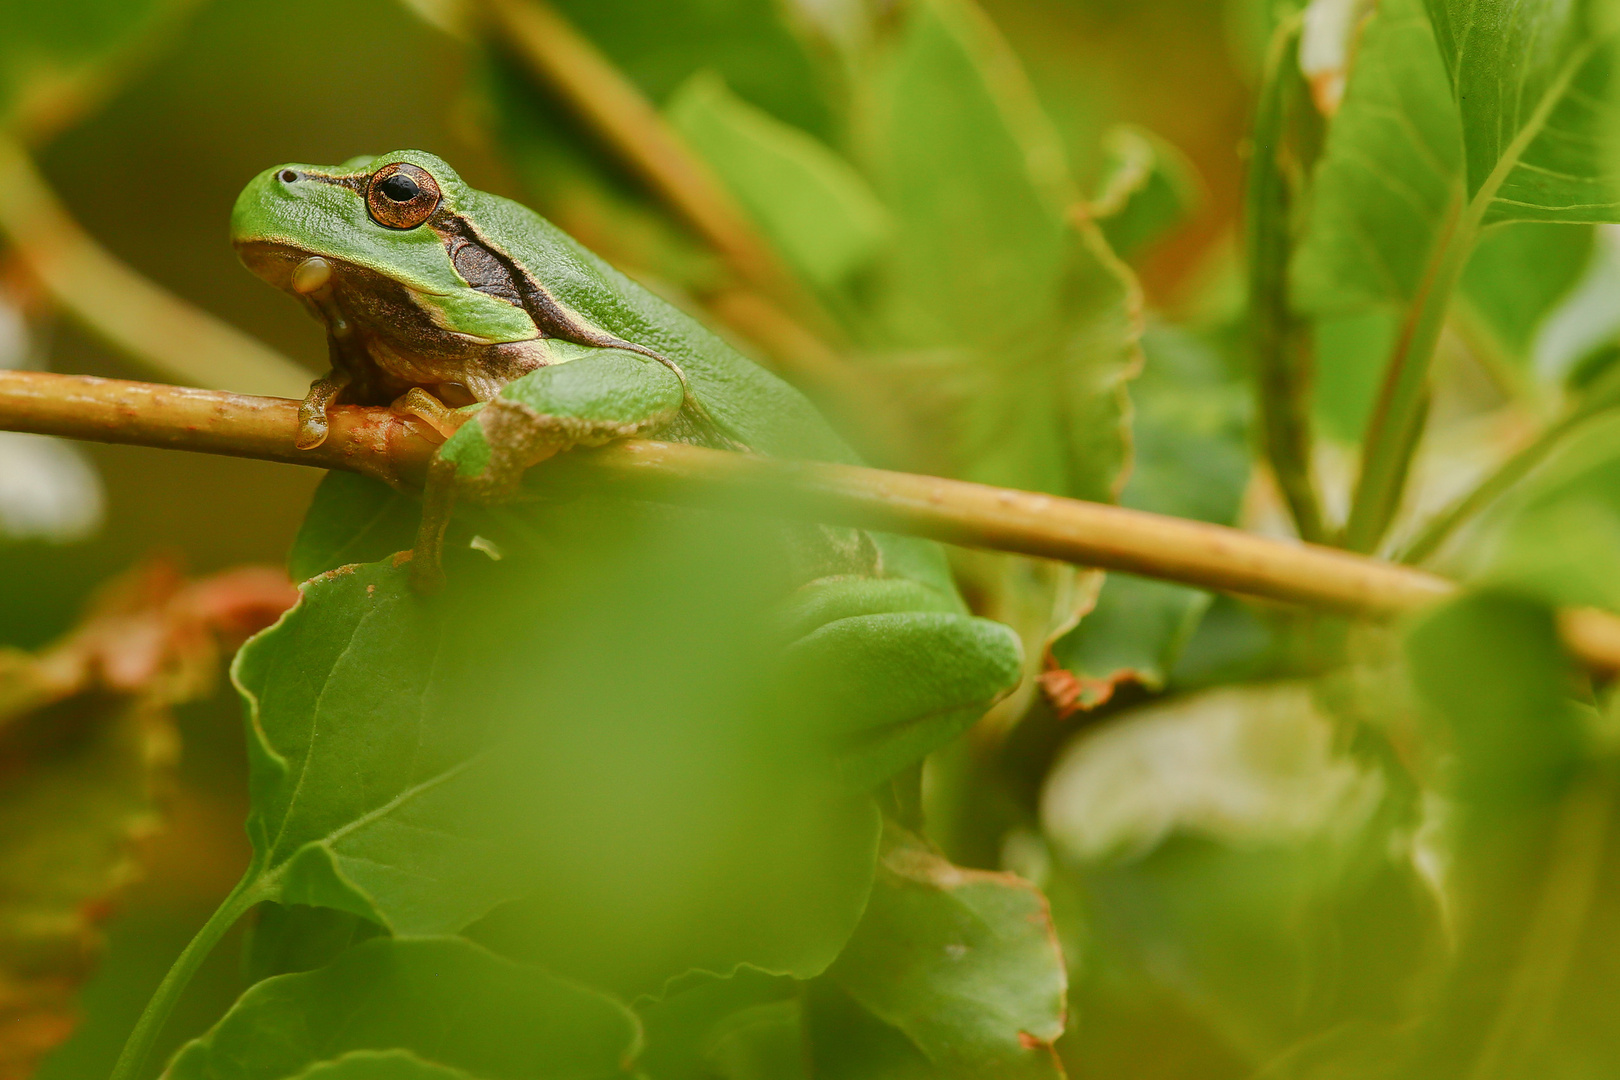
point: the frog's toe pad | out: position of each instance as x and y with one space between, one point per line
312 432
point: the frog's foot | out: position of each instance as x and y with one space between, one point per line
430 410
438 502
854 633
312 423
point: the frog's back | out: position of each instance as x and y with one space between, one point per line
753 406
749 403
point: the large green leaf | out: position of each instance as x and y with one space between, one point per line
1507 306
1491 673
1242 880
1532 79
380 1065
961 966
749 43
809 201
1011 329
705 1027
435 1009
705 821
1557 539
1389 175
1192 460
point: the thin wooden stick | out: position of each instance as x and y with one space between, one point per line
378 443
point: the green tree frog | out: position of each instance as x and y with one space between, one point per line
476 315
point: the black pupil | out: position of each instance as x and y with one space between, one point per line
399 188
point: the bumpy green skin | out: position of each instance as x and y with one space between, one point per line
909 667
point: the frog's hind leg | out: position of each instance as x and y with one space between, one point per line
430 410
438 494
895 669
438 504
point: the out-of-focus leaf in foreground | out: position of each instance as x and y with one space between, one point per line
381 1065
1489 668
1230 858
952 973
428 1009
86 745
1529 851
578 746
1556 539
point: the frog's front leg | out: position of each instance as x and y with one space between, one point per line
600 396
896 669
323 393
312 280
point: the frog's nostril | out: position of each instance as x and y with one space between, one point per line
288 176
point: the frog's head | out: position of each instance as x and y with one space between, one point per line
368 225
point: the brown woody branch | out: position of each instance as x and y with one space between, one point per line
378 443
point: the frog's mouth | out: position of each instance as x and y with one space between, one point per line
278 264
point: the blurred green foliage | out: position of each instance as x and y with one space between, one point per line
572 819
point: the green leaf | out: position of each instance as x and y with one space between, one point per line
1228 852
287 938
975 178
1351 351
1390 172
1506 305
352 519
748 43
705 1026
1006 327
1147 188
1555 539
1532 80
1192 460
1492 674
720 834
962 965
454 1008
812 203
380 1065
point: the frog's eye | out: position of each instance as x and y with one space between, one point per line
401 196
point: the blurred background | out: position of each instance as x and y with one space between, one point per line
1129 119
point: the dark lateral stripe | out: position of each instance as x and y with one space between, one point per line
356 184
